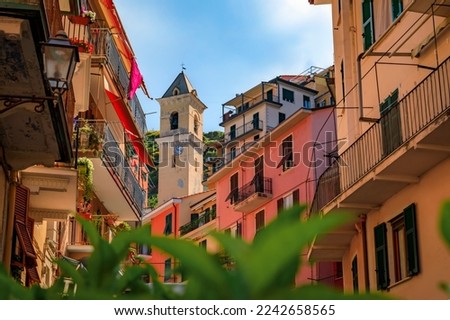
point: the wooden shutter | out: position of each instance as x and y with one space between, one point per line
296 196
20 216
259 220
232 196
168 226
239 230
412 251
397 8
367 13
355 274
381 257
167 269
280 205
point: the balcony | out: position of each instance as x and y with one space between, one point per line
251 127
114 181
253 194
406 142
105 50
249 103
202 220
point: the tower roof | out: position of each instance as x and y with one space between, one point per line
181 85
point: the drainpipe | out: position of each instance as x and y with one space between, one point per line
175 220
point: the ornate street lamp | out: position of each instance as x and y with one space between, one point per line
60 60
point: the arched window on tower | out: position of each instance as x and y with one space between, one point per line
196 124
174 121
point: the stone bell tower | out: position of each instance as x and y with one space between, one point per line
180 171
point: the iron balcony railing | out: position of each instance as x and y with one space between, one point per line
104 45
257 185
429 100
203 219
251 126
248 104
95 139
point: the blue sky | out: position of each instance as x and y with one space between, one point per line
226 46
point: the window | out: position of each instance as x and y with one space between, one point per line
174 121
255 121
390 122
306 102
145 250
281 117
239 230
355 274
259 221
233 195
286 154
168 226
167 269
232 153
202 244
196 124
255 138
403 248
288 201
269 95
397 8
288 95
367 14
233 132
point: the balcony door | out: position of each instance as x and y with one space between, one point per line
259 174
391 132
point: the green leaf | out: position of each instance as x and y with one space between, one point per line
276 247
196 262
445 222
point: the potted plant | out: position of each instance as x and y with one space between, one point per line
85 177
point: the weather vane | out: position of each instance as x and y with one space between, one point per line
183 67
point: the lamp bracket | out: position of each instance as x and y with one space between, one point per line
10 102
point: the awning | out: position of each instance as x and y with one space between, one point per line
128 123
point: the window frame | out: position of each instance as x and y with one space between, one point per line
168 227
288 95
368 22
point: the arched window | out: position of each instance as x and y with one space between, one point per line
176 91
174 121
196 124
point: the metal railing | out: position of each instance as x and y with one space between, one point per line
248 104
250 126
95 139
231 155
257 185
203 219
104 45
429 100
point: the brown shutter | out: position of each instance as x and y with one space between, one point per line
280 205
296 196
20 216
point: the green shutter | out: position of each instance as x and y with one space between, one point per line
367 13
355 274
168 226
412 251
397 8
167 269
381 257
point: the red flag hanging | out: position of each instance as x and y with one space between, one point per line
135 79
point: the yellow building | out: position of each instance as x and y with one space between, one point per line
50 128
393 99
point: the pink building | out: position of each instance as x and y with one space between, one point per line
277 171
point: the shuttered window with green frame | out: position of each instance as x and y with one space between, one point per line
381 257
168 226
397 8
412 250
368 29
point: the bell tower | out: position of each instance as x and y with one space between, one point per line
180 171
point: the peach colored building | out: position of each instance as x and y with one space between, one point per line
275 172
392 91
175 218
